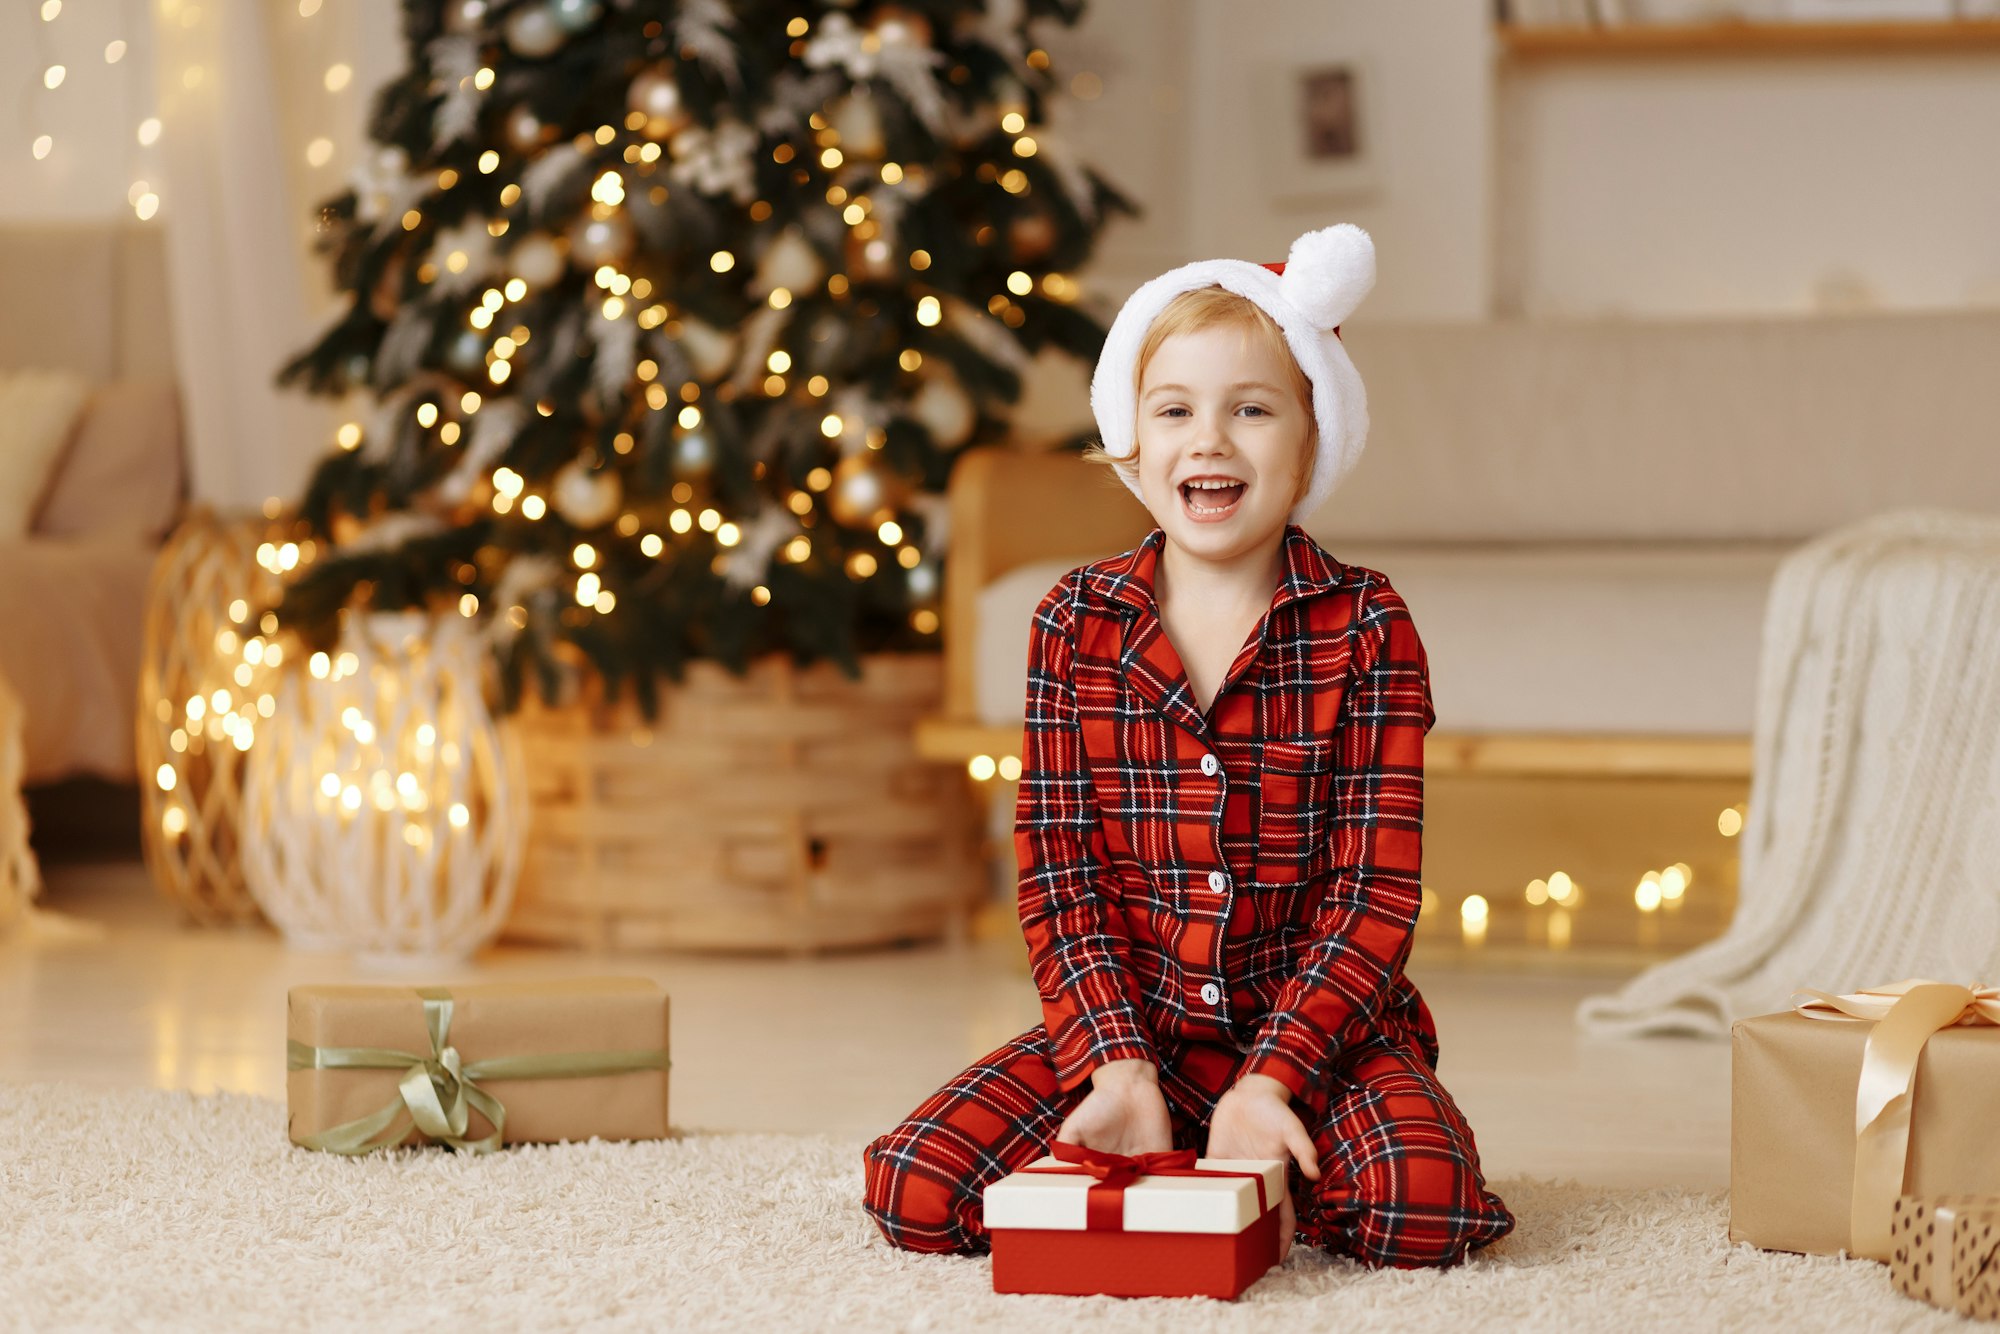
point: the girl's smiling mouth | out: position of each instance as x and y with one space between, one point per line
1210 499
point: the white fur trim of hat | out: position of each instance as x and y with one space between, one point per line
1309 295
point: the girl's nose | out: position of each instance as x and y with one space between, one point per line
1211 434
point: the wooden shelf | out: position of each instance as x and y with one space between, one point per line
1749 39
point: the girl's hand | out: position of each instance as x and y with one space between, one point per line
1124 1112
1254 1119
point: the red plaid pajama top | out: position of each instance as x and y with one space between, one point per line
1249 877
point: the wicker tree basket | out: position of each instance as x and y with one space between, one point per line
784 811
20 877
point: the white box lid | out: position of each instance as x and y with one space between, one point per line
1152 1203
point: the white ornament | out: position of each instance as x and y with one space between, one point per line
858 122
789 262
534 31
945 410
709 350
586 497
537 260
576 15
656 94
384 808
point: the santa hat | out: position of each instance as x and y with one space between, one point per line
1309 295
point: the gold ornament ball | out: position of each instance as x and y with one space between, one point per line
525 130
1032 236
898 26
585 496
865 491
872 259
466 16
656 95
598 241
694 455
925 582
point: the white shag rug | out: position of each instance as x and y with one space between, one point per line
144 1209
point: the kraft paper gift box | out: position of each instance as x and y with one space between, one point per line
1947 1252
1796 1083
1168 1225
373 1066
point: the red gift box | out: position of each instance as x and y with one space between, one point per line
1154 1225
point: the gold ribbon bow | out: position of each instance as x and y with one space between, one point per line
439 1092
1905 1014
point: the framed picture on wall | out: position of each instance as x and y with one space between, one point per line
1319 130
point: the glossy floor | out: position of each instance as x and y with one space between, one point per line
116 992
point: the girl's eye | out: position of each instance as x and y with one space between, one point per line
1254 408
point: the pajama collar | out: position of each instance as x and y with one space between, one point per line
1128 580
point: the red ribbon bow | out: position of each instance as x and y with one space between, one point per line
1104 1208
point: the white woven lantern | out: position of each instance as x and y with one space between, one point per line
204 670
384 807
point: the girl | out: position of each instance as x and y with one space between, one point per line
1219 826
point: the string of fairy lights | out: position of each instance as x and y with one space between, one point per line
241 698
58 78
626 296
1657 891
57 85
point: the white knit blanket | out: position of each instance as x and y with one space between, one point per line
1871 851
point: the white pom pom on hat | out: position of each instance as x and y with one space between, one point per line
1310 295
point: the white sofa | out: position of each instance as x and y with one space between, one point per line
1583 518
88 298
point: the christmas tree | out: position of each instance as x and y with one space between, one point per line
669 319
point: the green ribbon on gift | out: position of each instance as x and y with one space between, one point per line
439 1092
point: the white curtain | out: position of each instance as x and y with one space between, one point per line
244 92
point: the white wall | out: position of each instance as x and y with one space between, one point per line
1631 188
1432 70
93 116
1180 128
1694 186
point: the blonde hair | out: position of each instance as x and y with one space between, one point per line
1208 308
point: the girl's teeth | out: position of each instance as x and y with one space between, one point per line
1212 498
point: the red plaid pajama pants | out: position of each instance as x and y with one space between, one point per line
1399 1173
